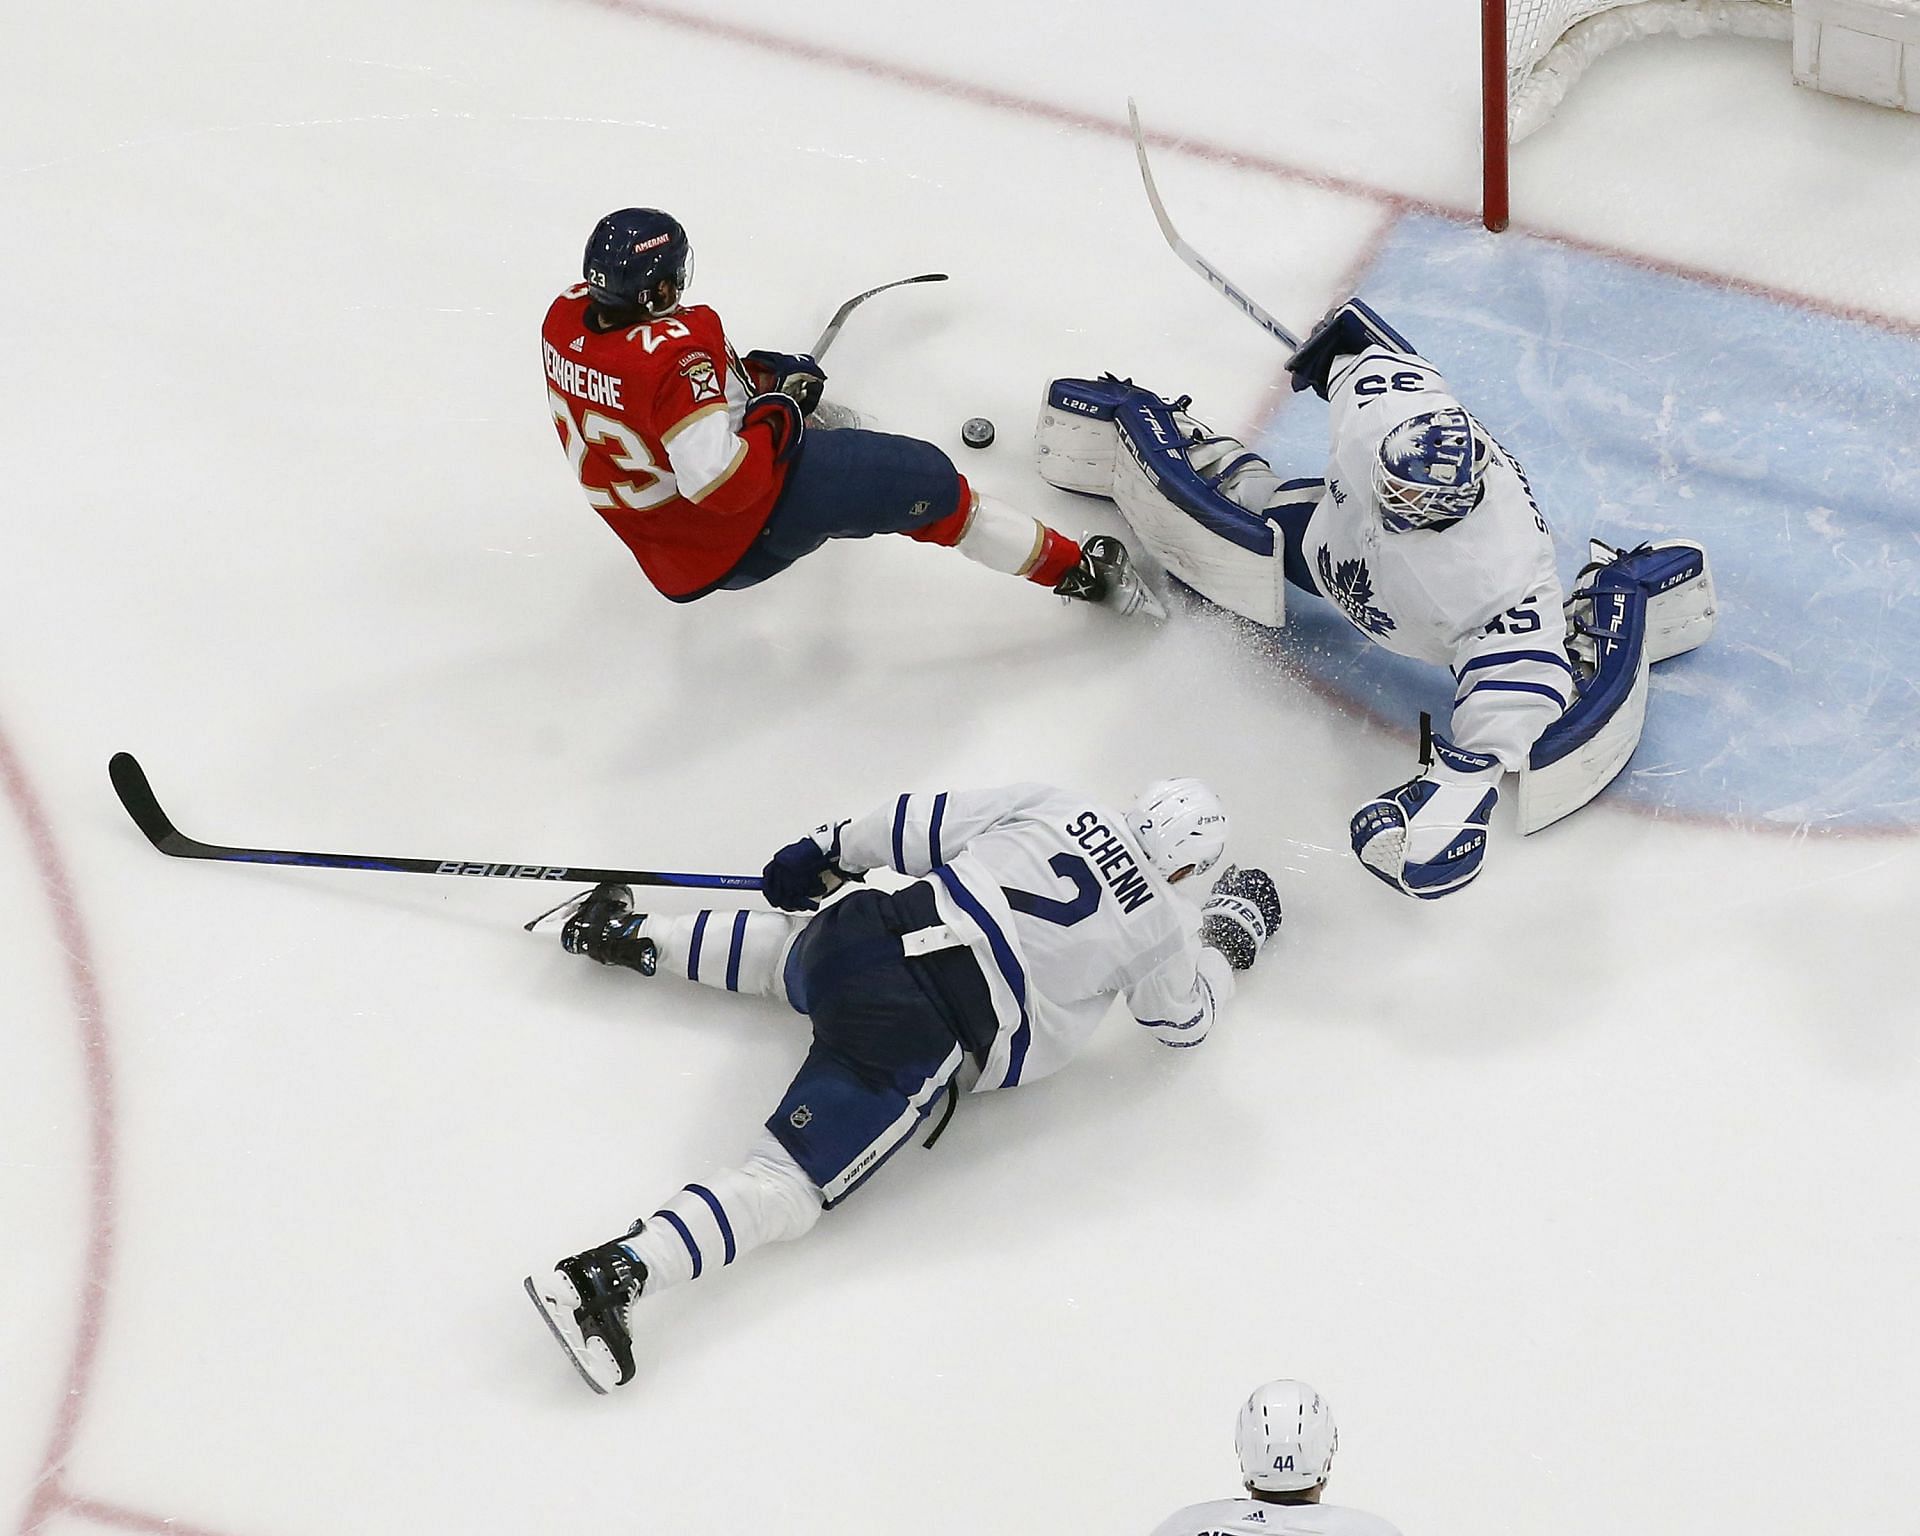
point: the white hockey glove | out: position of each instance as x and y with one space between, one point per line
1240 915
1427 837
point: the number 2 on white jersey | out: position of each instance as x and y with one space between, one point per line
652 485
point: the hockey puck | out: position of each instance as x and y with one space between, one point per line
976 432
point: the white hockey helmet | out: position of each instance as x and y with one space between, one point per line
1182 826
1286 1438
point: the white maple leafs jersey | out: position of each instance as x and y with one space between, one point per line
1481 597
1063 910
1255 1517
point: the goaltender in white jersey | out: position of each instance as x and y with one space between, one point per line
1033 909
1475 594
1286 1438
1425 534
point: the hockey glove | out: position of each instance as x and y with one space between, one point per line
782 418
1240 915
1346 330
790 373
802 872
1427 837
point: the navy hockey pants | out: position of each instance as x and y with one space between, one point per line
849 484
889 1032
1292 517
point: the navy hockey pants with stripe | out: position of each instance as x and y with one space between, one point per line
889 1032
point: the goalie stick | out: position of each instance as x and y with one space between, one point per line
1220 281
840 315
136 794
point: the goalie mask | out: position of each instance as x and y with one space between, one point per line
1286 1438
1431 470
1181 825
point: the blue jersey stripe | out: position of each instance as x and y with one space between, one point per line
686 1237
1494 684
738 943
693 950
900 835
933 830
1501 658
719 1217
1003 956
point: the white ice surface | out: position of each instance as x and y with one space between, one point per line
1588 1197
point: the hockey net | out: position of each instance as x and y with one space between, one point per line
1532 52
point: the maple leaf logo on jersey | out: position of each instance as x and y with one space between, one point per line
1352 588
702 378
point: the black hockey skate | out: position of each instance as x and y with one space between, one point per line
1105 575
605 927
586 1301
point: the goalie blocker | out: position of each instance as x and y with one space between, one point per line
1630 609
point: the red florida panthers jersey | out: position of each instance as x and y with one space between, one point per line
651 416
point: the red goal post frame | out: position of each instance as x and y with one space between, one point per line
1493 114
1585 30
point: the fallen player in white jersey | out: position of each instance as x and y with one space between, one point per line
1036 908
1286 1439
1425 534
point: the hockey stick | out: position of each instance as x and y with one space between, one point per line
1193 258
839 319
136 794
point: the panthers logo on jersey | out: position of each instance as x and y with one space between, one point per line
702 377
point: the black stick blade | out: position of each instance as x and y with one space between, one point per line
136 794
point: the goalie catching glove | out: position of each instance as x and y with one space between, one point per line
1242 914
805 870
1427 837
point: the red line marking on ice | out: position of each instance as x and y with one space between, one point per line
51 1496
121 1518
1201 149
83 992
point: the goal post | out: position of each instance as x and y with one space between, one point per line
1533 51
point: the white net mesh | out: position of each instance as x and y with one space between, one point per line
1550 43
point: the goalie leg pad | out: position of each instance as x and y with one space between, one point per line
1106 437
1580 753
1075 438
1678 581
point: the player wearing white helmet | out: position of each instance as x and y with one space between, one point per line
1030 909
1286 1438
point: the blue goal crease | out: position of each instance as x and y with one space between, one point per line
1648 406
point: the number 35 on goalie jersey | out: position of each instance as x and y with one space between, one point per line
1063 910
1482 597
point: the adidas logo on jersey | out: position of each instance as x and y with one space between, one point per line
578 344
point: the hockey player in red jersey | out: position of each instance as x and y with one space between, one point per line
709 468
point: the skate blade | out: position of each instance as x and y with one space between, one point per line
1147 606
589 1356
